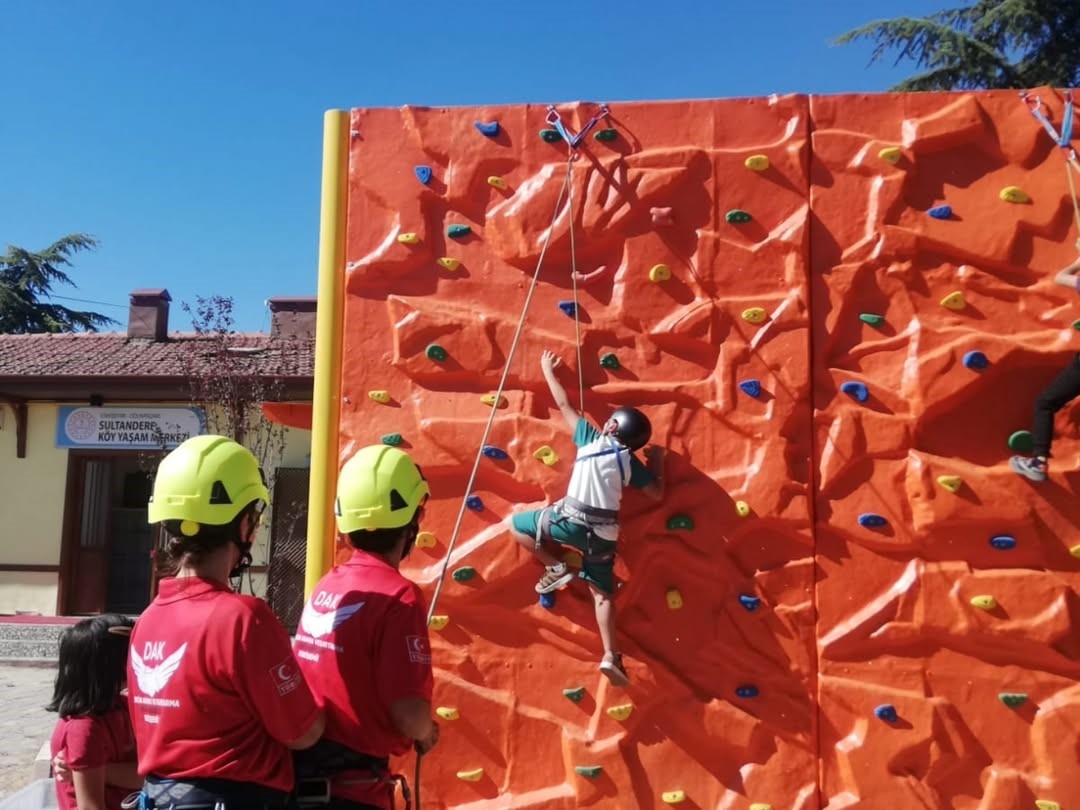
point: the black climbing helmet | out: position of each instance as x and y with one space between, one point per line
632 427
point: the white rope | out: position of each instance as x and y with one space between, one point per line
502 384
577 316
1071 166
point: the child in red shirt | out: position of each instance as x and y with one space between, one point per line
93 734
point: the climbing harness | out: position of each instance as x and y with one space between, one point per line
204 794
1063 140
573 140
327 762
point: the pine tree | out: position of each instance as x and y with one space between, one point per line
990 44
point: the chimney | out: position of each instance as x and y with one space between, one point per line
149 314
292 317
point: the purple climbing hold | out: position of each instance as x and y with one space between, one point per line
423 174
567 307
856 390
751 388
474 503
749 602
547 600
886 712
869 520
490 130
976 361
495 452
940 211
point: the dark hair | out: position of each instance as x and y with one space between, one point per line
180 548
92 667
380 541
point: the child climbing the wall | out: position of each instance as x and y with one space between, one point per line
1064 389
587 519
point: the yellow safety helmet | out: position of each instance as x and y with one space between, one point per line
378 488
207 480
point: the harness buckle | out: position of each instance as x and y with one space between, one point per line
313 791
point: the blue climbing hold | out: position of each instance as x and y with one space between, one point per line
567 307
746 691
976 361
751 388
495 452
490 130
474 503
940 211
856 390
869 520
886 712
749 602
1003 542
423 174
547 600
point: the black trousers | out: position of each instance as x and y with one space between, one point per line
1064 389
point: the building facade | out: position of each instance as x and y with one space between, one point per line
83 420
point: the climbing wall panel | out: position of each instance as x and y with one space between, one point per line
690 227
946 594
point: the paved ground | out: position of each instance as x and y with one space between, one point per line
24 723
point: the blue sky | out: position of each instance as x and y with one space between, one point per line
187 136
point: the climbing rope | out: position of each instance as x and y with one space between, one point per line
502 384
577 308
1063 140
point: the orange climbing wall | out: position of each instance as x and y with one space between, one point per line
847 618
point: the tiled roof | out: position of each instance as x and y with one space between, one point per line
111 354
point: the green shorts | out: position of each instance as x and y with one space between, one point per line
562 530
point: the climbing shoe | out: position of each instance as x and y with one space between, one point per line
1033 469
612 667
555 577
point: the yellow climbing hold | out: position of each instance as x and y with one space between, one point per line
984 602
1075 551
950 482
475 775
1047 804
448 713
660 272
673 796
438 622
1014 194
954 300
409 238
546 455
890 154
743 508
497 182
760 806
380 396
753 315
450 264
425 540
573 559
621 712
757 163
674 599
494 400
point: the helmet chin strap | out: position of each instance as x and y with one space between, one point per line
245 555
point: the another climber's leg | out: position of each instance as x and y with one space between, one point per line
1064 388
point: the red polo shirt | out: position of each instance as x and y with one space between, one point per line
213 687
362 645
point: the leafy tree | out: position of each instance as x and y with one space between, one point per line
27 277
990 44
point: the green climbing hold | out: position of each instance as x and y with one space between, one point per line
1013 699
550 135
609 360
607 135
436 352
1076 325
680 522
1021 441
392 439
737 216
464 574
577 694
588 771
872 319
456 231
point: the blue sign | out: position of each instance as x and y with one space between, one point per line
127 428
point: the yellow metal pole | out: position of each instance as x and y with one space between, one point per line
329 321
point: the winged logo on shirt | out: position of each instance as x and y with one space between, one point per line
152 679
317 624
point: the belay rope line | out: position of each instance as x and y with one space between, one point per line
1063 140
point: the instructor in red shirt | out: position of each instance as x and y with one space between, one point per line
217 699
363 642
